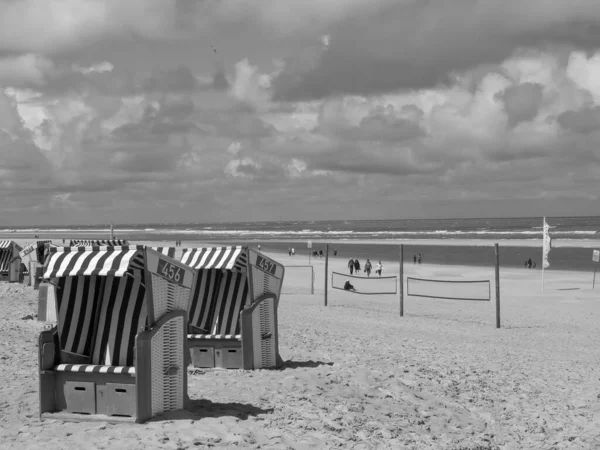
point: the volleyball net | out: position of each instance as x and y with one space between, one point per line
299 280
365 285
476 290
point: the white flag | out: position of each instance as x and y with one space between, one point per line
546 245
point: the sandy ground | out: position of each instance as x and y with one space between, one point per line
359 376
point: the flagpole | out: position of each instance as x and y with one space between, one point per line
543 238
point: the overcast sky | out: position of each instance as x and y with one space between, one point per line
309 109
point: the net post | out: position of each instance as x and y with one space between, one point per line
326 270
312 280
401 281
497 285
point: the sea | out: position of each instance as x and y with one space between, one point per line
348 234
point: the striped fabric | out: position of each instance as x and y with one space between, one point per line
232 297
77 303
201 307
6 244
228 258
92 368
167 251
109 261
5 258
98 242
122 314
237 337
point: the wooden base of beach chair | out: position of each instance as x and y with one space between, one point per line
3 276
255 348
79 396
216 353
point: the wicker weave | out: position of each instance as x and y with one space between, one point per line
263 335
167 354
168 296
263 283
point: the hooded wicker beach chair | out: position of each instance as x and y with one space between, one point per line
10 261
116 353
233 308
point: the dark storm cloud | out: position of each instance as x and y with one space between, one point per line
585 120
412 45
521 102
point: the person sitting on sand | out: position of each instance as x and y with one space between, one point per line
348 286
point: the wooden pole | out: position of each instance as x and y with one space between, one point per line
594 281
497 286
326 270
543 222
401 280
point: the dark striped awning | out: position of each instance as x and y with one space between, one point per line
226 258
7 249
104 261
5 259
98 242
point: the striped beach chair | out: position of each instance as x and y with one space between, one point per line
10 261
233 308
117 353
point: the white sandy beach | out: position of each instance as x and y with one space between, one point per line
359 376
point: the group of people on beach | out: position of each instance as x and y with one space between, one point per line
417 259
177 243
354 266
529 264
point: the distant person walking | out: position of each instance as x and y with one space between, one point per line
351 265
334 252
290 251
419 259
529 263
259 247
356 266
320 253
379 268
368 267
293 251
414 260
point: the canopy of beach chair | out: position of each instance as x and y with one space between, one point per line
106 261
226 258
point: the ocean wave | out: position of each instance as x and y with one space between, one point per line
308 233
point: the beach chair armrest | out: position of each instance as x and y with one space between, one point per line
263 298
160 365
48 349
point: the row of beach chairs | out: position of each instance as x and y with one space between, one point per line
130 319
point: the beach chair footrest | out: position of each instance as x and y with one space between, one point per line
94 368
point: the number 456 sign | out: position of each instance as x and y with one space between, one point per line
170 271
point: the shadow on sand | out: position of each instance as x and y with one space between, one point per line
196 409
289 364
